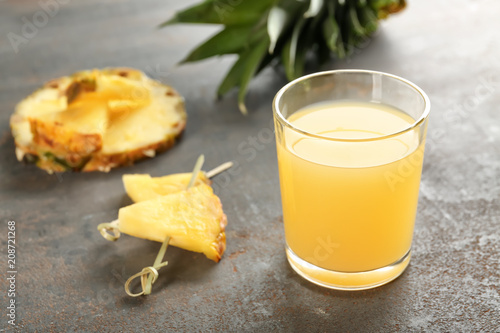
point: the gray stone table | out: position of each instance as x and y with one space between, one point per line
69 279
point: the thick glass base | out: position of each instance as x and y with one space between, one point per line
345 280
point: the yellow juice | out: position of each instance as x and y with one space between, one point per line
350 206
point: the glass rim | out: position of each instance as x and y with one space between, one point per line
285 122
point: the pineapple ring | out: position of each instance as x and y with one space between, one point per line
97 120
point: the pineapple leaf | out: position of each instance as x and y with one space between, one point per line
332 34
368 18
233 77
356 25
227 12
280 18
289 52
314 8
276 23
289 29
252 64
302 40
386 7
323 52
229 41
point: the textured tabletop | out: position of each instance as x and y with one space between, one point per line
68 278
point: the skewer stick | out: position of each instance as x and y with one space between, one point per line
109 231
196 170
150 274
219 169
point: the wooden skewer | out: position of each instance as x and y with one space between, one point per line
110 231
219 169
149 274
196 170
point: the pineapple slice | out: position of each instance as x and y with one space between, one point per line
141 187
97 120
193 219
75 133
46 125
179 209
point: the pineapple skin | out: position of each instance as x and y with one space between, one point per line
193 218
55 138
55 148
141 187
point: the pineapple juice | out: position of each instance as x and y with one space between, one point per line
349 206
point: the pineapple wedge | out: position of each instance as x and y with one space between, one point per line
97 120
141 187
193 218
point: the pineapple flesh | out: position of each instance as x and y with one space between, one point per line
97 120
193 218
141 187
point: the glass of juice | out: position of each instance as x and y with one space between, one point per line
350 147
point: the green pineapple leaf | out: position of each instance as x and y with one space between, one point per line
235 74
314 8
368 19
357 28
276 23
280 18
227 12
332 34
289 54
231 40
255 57
287 31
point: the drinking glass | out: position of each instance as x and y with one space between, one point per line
350 202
